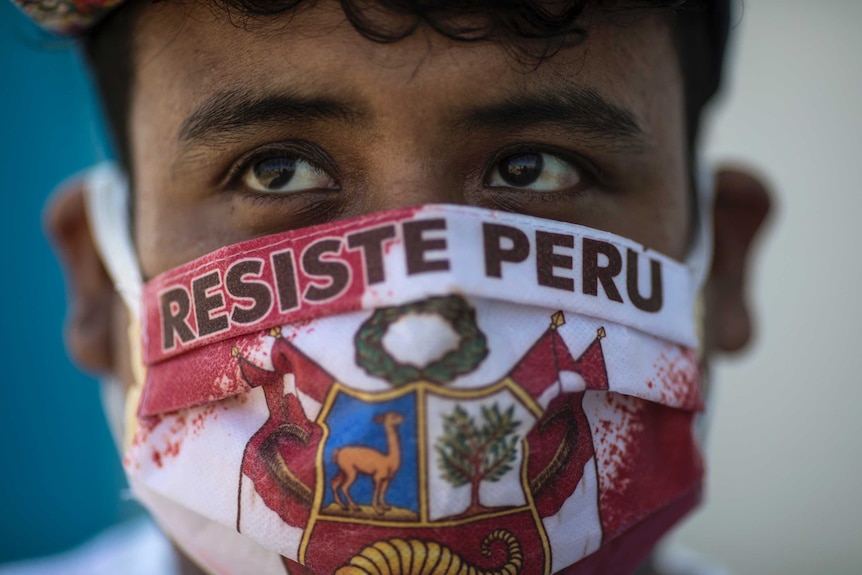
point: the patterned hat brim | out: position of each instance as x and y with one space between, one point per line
66 17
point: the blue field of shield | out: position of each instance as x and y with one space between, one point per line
355 422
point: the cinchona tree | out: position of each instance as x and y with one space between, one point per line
469 454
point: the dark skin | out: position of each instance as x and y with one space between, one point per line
217 109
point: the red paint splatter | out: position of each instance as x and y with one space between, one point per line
646 456
199 420
291 332
150 423
169 442
173 448
178 424
679 378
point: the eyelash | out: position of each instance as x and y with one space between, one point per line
232 179
592 173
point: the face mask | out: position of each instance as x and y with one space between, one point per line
438 389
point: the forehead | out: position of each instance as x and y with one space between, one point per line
185 53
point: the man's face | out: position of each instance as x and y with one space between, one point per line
241 131
238 131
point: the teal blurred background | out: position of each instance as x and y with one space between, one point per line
60 478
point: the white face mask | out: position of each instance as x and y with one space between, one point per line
433 386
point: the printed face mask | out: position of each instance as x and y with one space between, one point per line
438 389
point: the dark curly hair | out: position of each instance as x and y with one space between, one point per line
533 29
502 20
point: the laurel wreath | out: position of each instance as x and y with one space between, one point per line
376 361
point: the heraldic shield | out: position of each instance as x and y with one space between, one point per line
421 475
430 488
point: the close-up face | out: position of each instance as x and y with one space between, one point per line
235 129
241 130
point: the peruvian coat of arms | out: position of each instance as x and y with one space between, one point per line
412 472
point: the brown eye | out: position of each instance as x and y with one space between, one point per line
521 170
285 174
534 171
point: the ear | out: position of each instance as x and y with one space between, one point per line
90 290
742 202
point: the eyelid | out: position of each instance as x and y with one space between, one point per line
300 149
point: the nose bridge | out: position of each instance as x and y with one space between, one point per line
410 175
414 158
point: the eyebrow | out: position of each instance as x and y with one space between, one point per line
577 108
233 110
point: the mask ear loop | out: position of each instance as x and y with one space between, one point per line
699 262
699 257
106 195
106 198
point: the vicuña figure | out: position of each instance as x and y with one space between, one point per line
355 459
